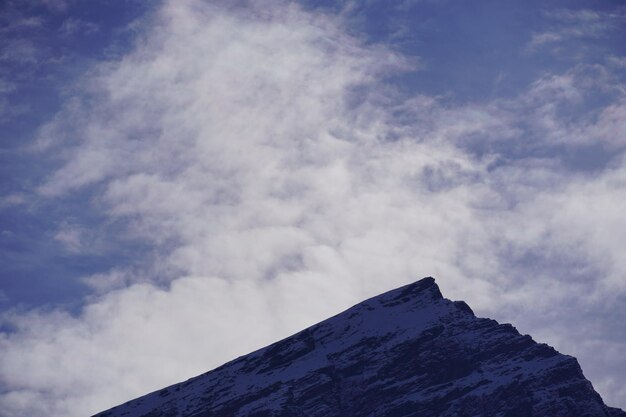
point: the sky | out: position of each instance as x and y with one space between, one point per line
183 182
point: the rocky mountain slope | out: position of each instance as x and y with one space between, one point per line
408 352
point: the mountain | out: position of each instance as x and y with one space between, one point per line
407 352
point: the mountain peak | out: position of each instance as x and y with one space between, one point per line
425 288
406 352
422 292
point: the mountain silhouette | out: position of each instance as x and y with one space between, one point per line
407 352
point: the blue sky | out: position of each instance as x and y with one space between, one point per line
184 182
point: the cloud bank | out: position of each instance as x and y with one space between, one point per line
278 178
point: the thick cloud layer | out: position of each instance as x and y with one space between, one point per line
278 178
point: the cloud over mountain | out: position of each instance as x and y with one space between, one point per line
277 173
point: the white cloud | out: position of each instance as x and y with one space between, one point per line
70 237
571 24
279 181
19 51
12 200
73 26
20 23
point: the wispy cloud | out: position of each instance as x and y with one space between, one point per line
70 237
576 24
278 179
73 26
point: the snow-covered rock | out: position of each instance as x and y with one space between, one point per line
407 352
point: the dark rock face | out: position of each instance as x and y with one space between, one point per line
408 352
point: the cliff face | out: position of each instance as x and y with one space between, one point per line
407 352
